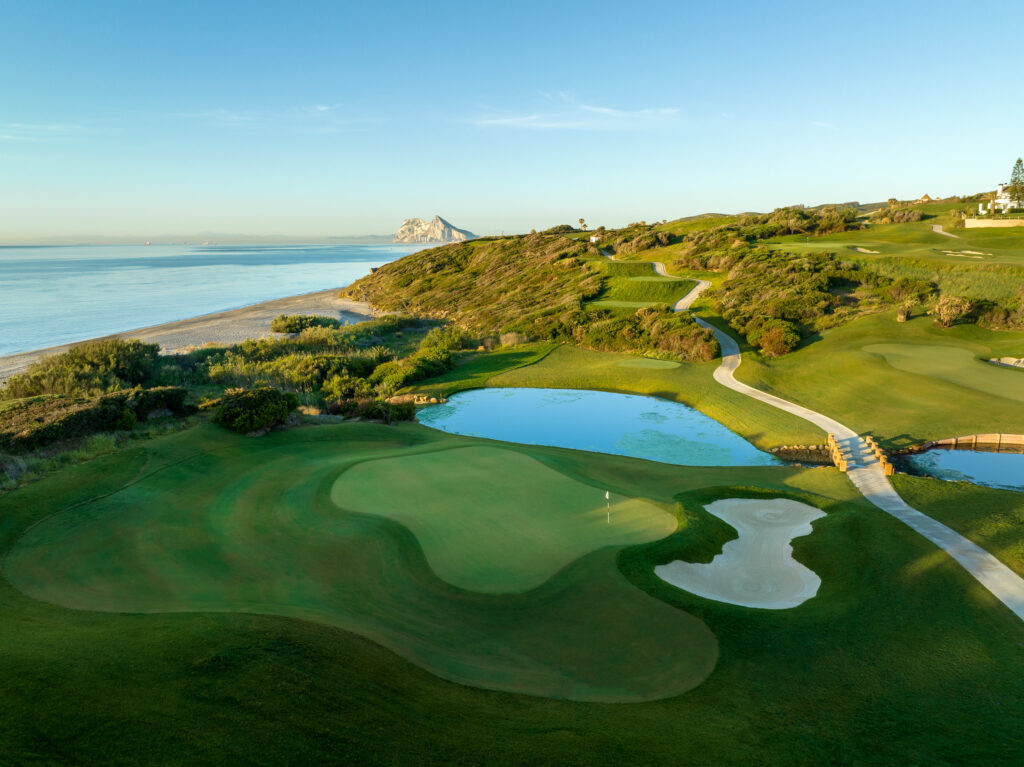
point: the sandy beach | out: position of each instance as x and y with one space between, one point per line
220 328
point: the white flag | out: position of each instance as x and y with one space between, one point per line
607 497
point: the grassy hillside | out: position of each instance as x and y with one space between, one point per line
487 285
225 527
541 287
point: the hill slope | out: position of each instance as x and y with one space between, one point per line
534 285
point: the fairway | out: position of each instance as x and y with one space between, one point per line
483 528
956 365
904 382
235 524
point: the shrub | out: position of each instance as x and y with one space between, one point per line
296 323
774 337
246 411
338 388
45 420
892 215
951 310
379 410
88 369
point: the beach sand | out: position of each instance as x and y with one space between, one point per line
221 328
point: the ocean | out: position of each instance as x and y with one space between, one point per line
61 294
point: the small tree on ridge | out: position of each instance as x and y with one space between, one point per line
1015 189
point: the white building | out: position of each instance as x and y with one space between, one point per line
1001 204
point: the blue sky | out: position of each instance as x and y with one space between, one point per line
316 118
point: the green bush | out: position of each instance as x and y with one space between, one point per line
774 337
296 323
42 421
88 369
379 410
246 411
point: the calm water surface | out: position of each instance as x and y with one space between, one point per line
1003 470
56 295
601 422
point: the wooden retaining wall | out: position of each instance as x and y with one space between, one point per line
991 223
993 443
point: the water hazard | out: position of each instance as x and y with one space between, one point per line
601 422
1002 470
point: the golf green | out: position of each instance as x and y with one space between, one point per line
483 528
247 525
956 365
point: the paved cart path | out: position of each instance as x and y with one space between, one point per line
866 472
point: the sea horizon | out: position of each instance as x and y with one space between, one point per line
61 294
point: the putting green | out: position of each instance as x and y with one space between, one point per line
953 364
217 522
483 528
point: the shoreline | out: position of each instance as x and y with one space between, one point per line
221 328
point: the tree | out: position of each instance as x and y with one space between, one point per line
1015 190
583 225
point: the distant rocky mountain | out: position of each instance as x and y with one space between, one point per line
438 230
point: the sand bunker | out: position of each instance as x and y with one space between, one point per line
757 569
965 253
864 250
1010 362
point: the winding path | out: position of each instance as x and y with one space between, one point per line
937 228
866 472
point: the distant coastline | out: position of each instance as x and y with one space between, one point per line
220 328
203 238
54 296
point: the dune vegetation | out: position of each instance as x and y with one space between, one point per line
538 287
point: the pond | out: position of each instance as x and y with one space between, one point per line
1002 470
601 422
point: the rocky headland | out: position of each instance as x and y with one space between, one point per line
436 231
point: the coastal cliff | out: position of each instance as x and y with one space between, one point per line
436 231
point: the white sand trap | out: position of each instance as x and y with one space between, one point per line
966 253
757 569
865 250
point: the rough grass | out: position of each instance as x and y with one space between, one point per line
994 519
476 369
905 383
901 659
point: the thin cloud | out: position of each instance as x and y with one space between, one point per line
574 115
226 116
37 131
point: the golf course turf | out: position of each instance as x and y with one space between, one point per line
233 526
484 528
248 526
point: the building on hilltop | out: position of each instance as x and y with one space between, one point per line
1001 204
